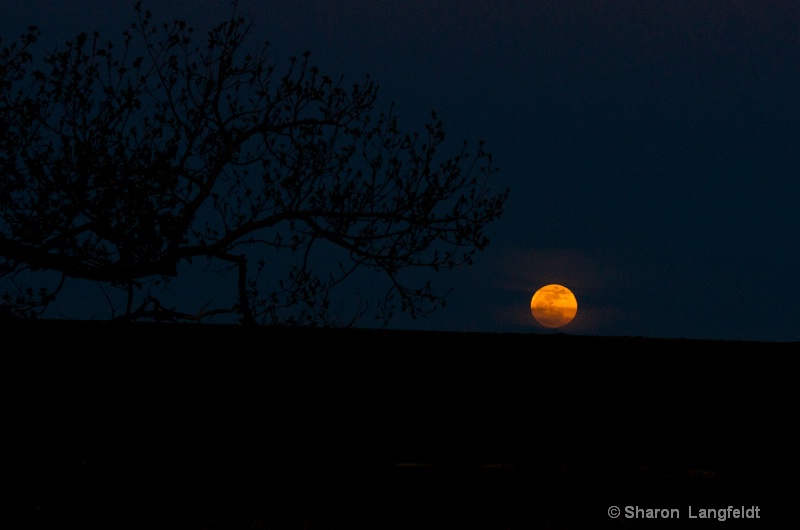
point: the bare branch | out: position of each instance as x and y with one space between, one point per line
123 163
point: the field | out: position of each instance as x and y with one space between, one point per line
140 426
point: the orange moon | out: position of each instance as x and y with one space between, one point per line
554 306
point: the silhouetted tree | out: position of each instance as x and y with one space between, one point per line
120 163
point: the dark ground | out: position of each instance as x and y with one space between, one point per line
197 427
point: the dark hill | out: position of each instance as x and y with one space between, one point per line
208 426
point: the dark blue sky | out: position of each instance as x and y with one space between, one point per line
651 148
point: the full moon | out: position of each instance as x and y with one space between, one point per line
554 306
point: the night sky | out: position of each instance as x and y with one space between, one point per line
650 148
